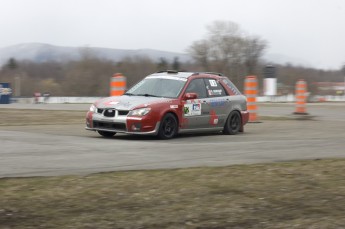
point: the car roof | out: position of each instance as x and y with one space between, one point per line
183 75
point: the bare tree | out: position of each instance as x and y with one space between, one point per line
135 68
228 50
88 77
253 50
200 51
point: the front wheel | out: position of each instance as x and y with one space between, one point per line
168 127
233 124
106 134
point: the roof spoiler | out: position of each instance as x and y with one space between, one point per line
168 71
211 73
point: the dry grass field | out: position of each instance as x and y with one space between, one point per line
302 194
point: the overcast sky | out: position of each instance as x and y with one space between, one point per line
312 31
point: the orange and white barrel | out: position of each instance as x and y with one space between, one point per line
301 97
117 85
251 92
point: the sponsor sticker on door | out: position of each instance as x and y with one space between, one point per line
191 109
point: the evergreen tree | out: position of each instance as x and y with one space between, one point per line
163 64
12 63
176 64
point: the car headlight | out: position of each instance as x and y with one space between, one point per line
140 112
93 108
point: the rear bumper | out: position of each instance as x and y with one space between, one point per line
245 117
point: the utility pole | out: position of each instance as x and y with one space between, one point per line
343 70
17 86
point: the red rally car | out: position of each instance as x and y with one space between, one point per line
170 102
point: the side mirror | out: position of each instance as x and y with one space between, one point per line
190 95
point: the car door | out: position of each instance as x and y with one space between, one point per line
219 103
196 112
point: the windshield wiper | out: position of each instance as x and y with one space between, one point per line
147 95
128 93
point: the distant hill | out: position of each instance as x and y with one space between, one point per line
281 59
38 52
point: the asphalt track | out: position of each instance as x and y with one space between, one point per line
49 150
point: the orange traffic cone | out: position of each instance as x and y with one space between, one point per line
301 97
117 85
251 92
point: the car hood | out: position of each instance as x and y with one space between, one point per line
128 102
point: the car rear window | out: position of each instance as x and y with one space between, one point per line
231 86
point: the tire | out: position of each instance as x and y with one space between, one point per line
106 134
233 124
168 127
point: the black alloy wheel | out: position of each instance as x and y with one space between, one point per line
233 123
168 127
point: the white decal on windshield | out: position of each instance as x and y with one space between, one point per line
213 83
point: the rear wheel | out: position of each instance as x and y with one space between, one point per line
233 124
106 134
168 127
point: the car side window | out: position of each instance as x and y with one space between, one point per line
214 88
197 86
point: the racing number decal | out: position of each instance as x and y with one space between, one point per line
213 83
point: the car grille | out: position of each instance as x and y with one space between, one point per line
109 125
111 112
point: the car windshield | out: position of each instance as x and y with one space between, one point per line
158 87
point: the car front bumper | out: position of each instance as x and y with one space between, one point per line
122 124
